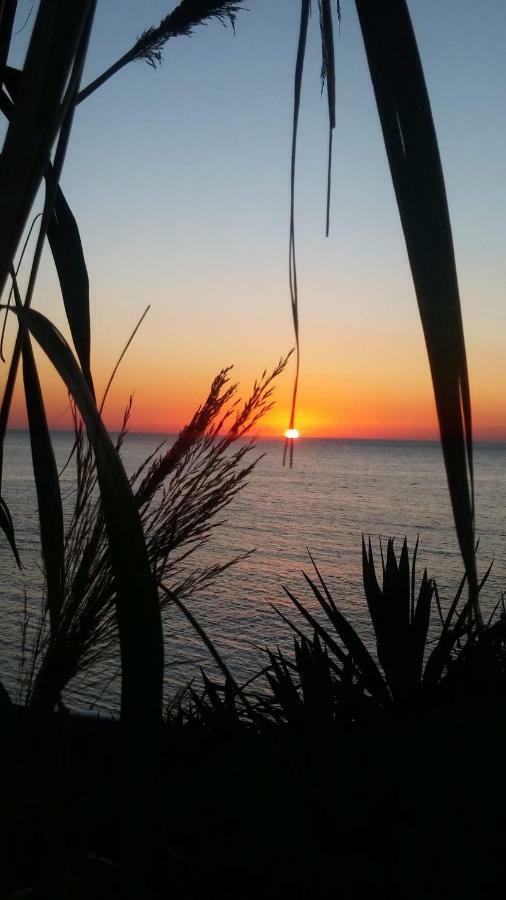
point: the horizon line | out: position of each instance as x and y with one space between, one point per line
281 437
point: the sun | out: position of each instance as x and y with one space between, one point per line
292 433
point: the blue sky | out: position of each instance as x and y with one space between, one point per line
179 179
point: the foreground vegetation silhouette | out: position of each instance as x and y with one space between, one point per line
338 771
340 766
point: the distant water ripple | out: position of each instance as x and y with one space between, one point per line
336 491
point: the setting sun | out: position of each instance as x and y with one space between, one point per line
292 433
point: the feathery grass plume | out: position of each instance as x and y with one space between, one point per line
180 22
180 494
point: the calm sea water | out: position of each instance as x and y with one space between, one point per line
336 491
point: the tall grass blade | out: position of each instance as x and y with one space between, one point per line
220 662
137 610
66 248
36 117
41 108
65 243
47 483
121 357
415 165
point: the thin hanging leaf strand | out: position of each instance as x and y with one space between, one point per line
292 266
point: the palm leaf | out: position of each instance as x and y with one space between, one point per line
415 166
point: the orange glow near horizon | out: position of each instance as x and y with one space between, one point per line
362 401
379 417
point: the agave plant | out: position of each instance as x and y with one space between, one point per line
334 673
400 620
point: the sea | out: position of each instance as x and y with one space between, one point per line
336 491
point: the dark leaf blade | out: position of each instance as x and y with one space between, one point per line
441 655
372 590
66 247
292 263
352 642
356 647
404 596
229 678
317 627
7 526
47 486
36 117
7 13
417 176
420 624
138 608
6 707
329 74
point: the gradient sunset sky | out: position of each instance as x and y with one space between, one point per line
179 180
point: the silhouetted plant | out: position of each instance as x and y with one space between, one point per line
118 550
38 103
408 669
179 493
417 176
333 679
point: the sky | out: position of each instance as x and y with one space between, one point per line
179 180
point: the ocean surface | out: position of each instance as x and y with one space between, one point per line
336 491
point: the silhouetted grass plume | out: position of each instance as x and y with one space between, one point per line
179 494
